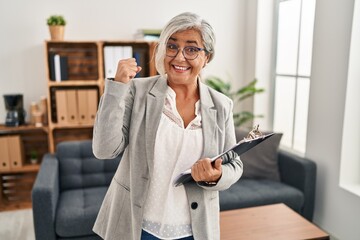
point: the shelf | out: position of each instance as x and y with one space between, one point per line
74 60
16 188
10 206
23 169
72 83
23 128
69 126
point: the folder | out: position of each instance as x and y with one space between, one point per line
57 67
82 101
60 65
118 53
140 54
4 154
71 106
109 61
64 68
61 106
92 104
16 152
52 66
127 52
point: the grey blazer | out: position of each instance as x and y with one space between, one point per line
127 121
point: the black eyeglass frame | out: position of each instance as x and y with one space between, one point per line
183 51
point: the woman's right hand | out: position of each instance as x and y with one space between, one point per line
126 70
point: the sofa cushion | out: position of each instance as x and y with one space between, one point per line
250 193
261 162
78 167
77 211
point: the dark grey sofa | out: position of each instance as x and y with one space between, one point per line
68 192
296 188
71 184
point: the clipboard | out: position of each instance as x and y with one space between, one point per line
254 138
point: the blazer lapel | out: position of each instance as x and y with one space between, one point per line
208 115
154 106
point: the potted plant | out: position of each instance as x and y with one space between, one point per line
56 25
33 157
242 117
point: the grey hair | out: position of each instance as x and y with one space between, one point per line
181 22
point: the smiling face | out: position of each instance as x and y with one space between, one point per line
178 68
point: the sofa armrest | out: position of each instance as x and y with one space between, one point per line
45 194
300 173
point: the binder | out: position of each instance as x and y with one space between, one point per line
64 68
140 54
82 101
92 104
118 53
127 52
109 61
61 68
57 67
16 151
52 66
61 106
71 106
4 154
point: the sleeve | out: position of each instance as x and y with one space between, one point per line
111 128
232 167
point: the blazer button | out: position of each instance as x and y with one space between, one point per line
194 205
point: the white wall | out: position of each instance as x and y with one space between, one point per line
336 210
350 151
23 31
263 62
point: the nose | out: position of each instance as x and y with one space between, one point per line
180 55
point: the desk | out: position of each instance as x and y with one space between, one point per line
276 221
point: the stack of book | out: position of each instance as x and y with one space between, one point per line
148 34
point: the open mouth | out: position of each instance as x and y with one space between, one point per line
180 68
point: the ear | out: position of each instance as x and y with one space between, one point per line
206 61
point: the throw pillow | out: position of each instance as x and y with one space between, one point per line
261 162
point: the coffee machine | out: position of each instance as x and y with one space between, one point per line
15 115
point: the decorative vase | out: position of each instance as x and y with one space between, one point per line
57 33
33 161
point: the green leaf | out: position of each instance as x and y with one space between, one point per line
55 20
239 95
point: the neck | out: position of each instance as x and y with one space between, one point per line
185 91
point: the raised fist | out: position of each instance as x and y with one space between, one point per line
126 70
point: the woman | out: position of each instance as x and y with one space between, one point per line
164 125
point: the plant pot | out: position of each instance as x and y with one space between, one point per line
57 33
33 161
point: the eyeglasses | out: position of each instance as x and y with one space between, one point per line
189 52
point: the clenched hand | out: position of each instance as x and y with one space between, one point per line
126 70
204 171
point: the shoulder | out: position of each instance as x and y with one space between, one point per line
146 82
219 99
143 85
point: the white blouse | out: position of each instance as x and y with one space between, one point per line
167 211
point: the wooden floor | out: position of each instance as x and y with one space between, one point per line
17 225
